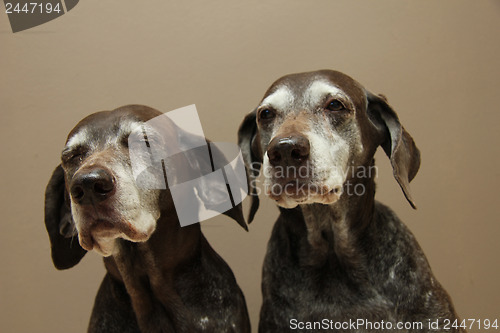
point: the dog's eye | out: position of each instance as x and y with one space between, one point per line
335 105
72 157
77 157
266 114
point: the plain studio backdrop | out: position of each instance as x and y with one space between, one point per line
436 61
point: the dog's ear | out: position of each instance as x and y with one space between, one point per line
248 141
234 185
65 248
206 163
396 142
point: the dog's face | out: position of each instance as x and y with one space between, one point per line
105 201
114 181
312 130
310 134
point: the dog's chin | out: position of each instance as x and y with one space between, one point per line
292 196
105 246
101 235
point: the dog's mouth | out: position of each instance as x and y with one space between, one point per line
292 192
100 235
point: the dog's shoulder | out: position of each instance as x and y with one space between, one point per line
392 244
208 287
112 310
400 267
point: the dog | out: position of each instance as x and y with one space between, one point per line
337 260
160 277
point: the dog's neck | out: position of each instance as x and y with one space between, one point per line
148 269
170 245
333 230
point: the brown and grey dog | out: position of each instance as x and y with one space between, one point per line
337 260
160 277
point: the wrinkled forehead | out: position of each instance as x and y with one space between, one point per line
307 90
93 134
107 126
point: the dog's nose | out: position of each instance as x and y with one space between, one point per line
288 150
92 186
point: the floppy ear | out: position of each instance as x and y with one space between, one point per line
233 185
203 161
66 251
397 143
252 156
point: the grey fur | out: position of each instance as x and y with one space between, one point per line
351 259
173 281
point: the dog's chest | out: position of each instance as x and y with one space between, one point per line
310 295
294 290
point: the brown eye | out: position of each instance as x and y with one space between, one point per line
335 105
72 158
73 155
266 114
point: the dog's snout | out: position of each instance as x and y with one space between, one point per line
288 150
92 186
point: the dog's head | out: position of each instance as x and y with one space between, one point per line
93 195
311 128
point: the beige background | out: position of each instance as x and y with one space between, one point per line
437 62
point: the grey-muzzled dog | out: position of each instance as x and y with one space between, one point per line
335 254
160 277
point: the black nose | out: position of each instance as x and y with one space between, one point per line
288 150
92 186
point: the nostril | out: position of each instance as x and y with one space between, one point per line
298 154
274 157
288 150
77 192
92 186
103 186
301 148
